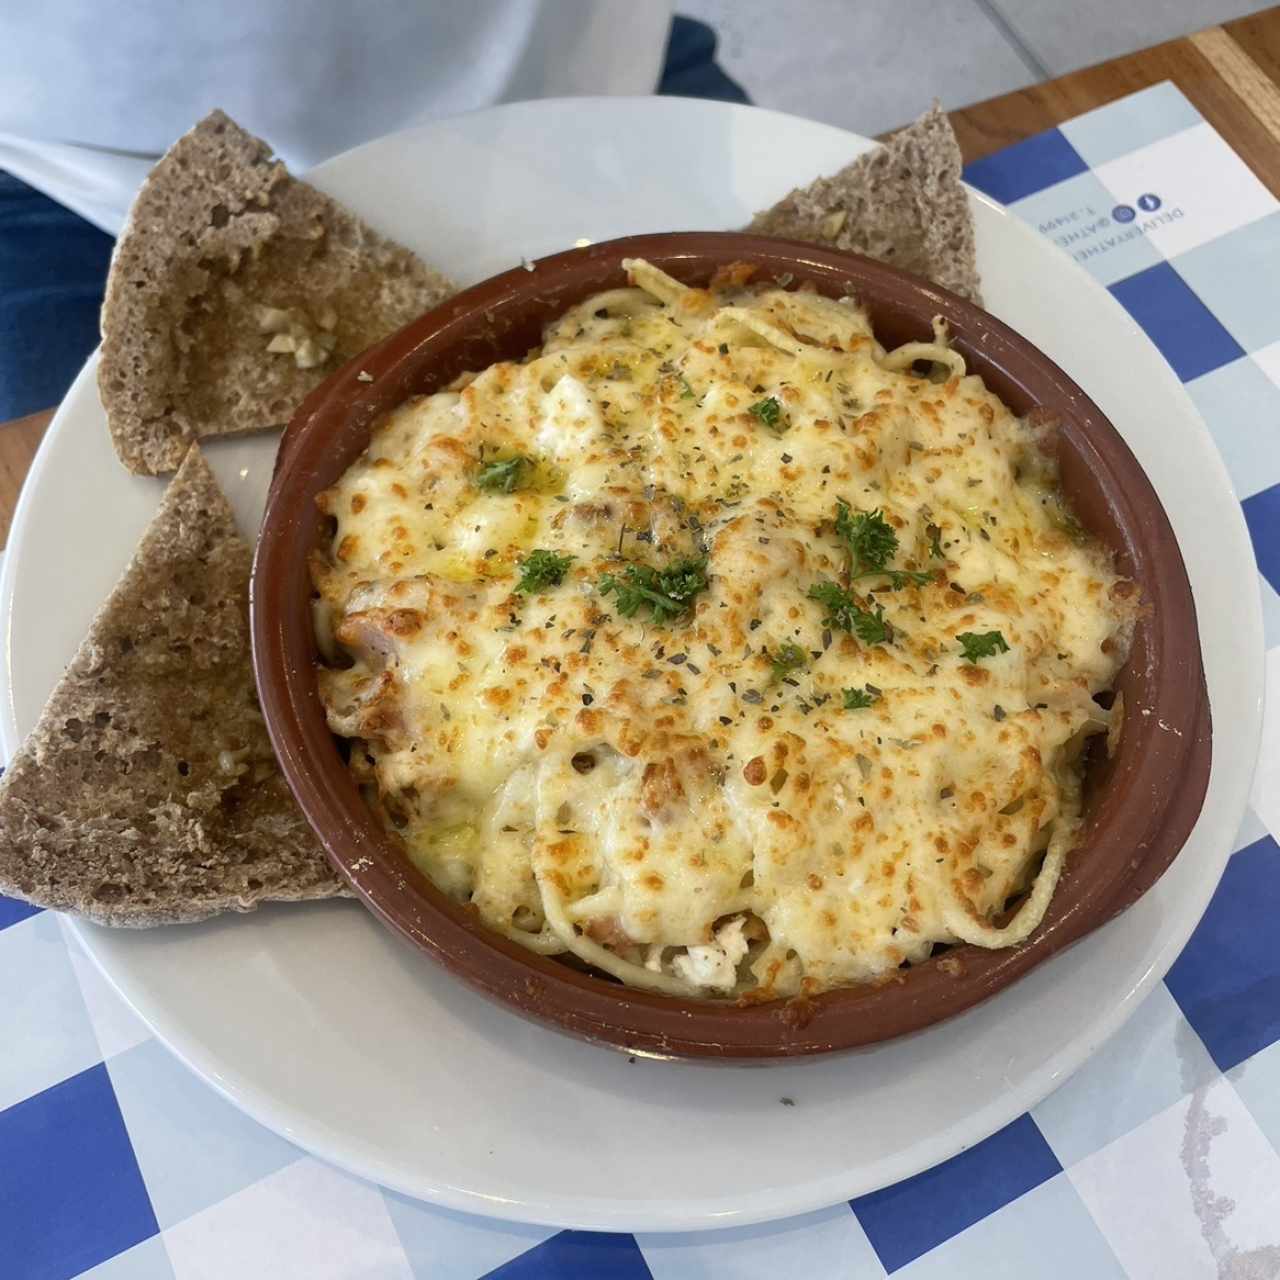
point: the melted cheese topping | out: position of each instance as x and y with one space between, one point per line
667 800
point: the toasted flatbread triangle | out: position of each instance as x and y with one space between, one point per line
223 253
903 204
148 793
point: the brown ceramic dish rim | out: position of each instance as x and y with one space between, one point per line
1139 815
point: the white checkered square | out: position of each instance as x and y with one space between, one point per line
307 1222
1257 1081
117 1027
443 1245
1012 1243
1194 1192
45 1032
145 1261
1151 1062
1204 189
1268 360
1266 794
828 1243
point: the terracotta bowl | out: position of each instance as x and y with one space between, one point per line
1140 804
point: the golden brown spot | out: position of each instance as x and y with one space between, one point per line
814 881
403 622
755 771
660 786
561 850
732 276
357 503
347 547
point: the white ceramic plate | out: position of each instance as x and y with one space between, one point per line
325 1027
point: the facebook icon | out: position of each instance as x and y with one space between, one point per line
1148 203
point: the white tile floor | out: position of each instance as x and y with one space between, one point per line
870 65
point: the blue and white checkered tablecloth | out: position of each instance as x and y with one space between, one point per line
1161 1158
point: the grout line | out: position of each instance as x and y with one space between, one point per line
1242 75
1006 28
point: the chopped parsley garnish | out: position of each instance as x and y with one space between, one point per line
872 543
686 391
857 699
985 644
935 541
845 612
541 569
769 412
787 658
869 536
503 476
667 592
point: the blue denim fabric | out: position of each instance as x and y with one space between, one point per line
52 268
53 264
691 70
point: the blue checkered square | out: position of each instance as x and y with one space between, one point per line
1262 515
1025 167
11 911
71 1195
908 1219
578 1255
1227 979
1189 335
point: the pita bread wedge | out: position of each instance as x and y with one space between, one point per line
903 204
234 290
148 793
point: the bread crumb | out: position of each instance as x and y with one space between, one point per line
833 222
